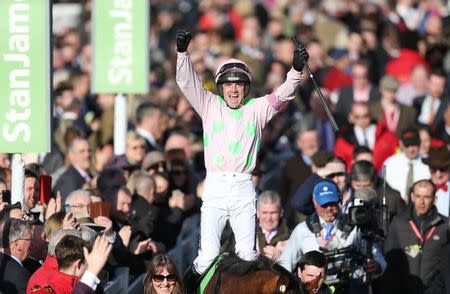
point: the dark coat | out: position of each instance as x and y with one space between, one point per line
293 174
13 276
441 282
143 217
394 201
439 117
69 181
282 235
411 264
344 104
31 264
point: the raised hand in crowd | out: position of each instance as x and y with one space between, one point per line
70 222
3 205
105 222
140 247
182 201
53 206
125 234
98 256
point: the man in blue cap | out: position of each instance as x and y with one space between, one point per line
327 230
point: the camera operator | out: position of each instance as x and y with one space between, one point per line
363 175
414 241
311 271
328 230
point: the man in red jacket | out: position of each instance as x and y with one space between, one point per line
362 131
50 266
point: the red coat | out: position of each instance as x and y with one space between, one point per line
49 275
385 145
63 283
43 274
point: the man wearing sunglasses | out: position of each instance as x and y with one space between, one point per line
232 127
439 162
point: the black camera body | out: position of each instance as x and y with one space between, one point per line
363 215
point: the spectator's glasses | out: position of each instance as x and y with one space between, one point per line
160 278
157 166
441 169
236 65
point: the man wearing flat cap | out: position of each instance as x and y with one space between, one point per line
439 161
405 168
396 116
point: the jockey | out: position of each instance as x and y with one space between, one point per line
232 128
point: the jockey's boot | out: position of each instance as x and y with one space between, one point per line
191 279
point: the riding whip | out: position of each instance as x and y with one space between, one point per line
322 99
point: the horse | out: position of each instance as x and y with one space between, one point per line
261 276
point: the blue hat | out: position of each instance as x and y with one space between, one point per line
326 191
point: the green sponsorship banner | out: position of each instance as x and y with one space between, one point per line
25 111
120 46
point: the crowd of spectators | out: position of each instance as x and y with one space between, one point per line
382 67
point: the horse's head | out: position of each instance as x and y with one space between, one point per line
287 282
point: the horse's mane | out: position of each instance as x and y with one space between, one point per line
232 264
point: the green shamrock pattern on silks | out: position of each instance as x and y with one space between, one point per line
250 129
218 126
234 147
205 139
218 160
236 113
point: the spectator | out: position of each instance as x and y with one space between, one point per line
134 153
334 170
13 276
31 194
417 86
439 162
360 91
272 231
326 229
38 251
362 153
364 132
414 241
149 125
406 168
78 202
71 264
43 275
162 276
425 139
143 214
297 168
154 161
363 175
77 174
311 271
430 108
396 116
5 162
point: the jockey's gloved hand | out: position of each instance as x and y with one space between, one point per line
301 56
183 39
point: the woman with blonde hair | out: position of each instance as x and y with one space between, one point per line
162 276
